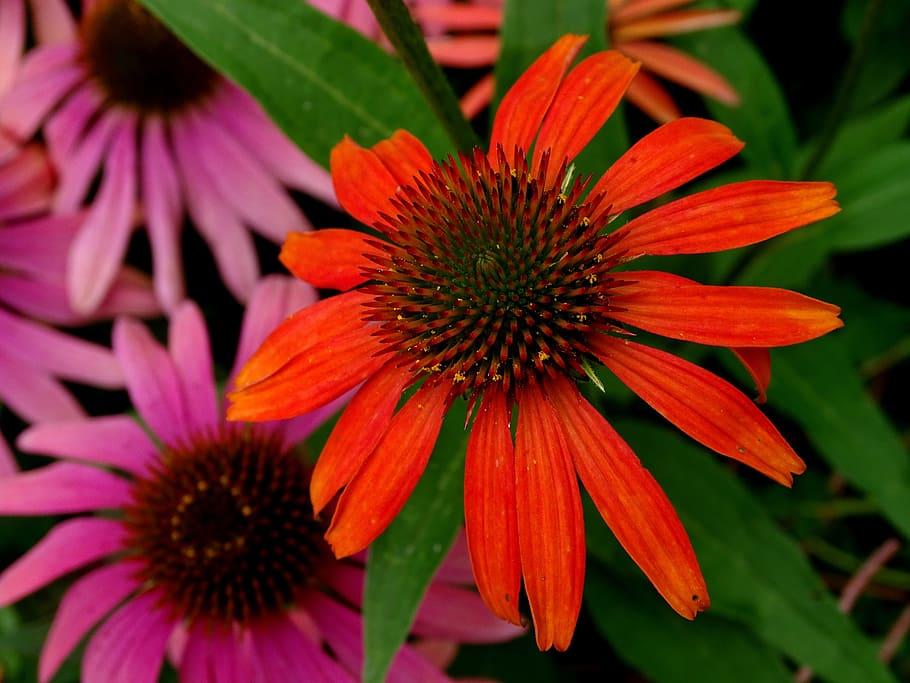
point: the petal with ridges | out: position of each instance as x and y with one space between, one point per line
362 182
465 51
357 433
190 349
758 364
403 155
631 502
386 479
677 66
701 404
550 524
62 489
491 522
330 258
674 23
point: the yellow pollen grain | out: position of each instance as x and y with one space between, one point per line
459 376
513 173
582 317
598 258
202 485
585 222
223 480
246 511
542 356
189 552
497 377
187 499
562 198
591 278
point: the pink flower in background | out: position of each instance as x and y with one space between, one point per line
122 99
214 554
50 22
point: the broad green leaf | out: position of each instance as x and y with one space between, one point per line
529 28
318 79
763 119
404 559
817 386
636 621
757 576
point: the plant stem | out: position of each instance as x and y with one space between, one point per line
851 79
408 42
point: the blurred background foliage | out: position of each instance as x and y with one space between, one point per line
826 95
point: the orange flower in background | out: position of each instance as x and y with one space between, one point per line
632 26
495 281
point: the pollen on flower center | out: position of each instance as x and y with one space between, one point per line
138 62
224 528
491 275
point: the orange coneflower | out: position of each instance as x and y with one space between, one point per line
495 282
470 40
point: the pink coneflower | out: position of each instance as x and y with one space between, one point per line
50 22
206 539
124 99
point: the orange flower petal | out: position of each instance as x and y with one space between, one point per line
362 182
758 364
386 479
663 160
635 9
551 531
652 98
301 332
478 97
404 156
490 514
721 315
331 258
460 17
522 109
311 379
631 502
585 100
680 68
701 404
464 51
727 217
675 23
356 434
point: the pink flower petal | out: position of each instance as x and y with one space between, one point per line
38 246
68 546
62 489
253 194
52 21
100 246
68 125
152 381
456 567
228 239
214 654
131 294
163 211
189 346
129 647
26 184
117 441
243 118
456 613
12 40
7 459
79 169
85 603
33 394
61 354
284 653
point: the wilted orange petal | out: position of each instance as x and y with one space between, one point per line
331 258
674 23
478 97
386 479
490 508
701 404
758 364
356 434
362 182
727 217
550 525
663 160
721 315
635 9
677 66
404 156
464 51
585 100
522 109
301 332
631 503
652 98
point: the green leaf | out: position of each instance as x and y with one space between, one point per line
763 119
638 624
318 79
757 576
529 28
404 559
817 386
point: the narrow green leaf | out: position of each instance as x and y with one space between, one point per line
404 559
757 576
318 79
636 621
817 385
763 119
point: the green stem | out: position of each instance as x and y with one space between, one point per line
846 562
408 42
851 79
